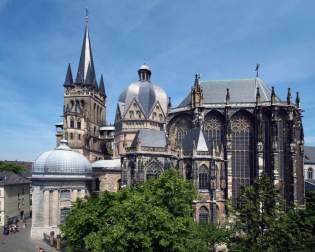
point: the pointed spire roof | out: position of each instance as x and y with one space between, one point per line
89 78
201 144
102 87
68 79
86 60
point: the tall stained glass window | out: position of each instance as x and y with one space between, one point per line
242 153
213 129
203 177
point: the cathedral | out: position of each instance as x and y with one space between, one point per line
221 136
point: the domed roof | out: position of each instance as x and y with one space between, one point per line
146 93
62 160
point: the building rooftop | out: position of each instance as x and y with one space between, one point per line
241 91
12 178
149 138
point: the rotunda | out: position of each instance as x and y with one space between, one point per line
59 177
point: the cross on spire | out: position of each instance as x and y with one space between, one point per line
86 18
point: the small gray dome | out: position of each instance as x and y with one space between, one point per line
62 160
145 92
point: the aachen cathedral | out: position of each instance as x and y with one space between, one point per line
221 136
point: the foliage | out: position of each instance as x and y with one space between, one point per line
8 166
261 224
153 216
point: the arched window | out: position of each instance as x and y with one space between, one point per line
153 170
160 117
94 111
139 114
131 114
101 115
154 116
213 129
203 177
310 173
188 171
63 214
71 123
179 137
178 129
132 172
79 124
242 152
203 215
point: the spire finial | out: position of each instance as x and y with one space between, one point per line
86 18
227 96
257 70
289 96
197 78
297 99
169 104
258 95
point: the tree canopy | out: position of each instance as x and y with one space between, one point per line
262 224
153 216
9 166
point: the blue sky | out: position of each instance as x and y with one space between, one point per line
218 39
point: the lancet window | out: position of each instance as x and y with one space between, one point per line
203 177
213 130
242 152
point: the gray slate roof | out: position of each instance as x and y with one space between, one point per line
150 138
196 136
241 90
309 154
86 71
309 185
12 178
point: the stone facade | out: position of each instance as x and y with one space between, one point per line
51 203
247 130
84 110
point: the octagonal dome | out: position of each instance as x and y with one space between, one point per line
61 160
145 92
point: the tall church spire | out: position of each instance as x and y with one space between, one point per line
86 64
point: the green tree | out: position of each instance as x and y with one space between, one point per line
8 166
261 224
153 216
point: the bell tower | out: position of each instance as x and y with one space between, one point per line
84 111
